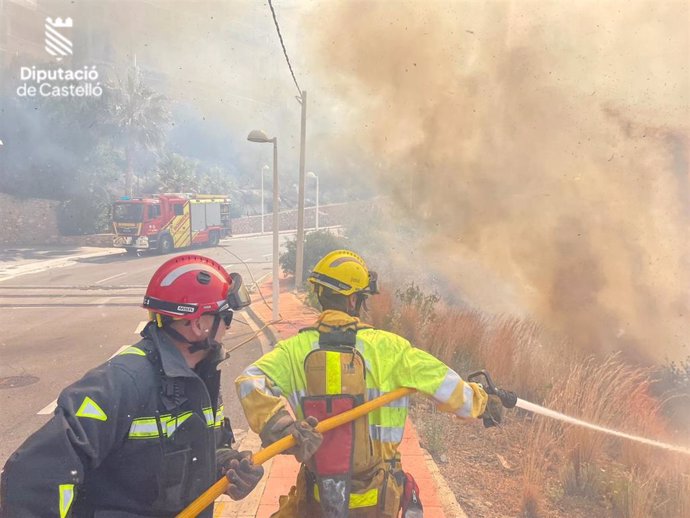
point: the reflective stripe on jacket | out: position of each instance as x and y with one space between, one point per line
135 437
391 362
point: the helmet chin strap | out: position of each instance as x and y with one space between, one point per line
209 342
359 303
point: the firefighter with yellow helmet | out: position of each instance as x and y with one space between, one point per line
331 367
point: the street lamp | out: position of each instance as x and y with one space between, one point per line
311 174
260 136
263 170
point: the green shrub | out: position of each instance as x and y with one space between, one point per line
412 295
316 245
83 215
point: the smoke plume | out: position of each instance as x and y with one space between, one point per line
548 140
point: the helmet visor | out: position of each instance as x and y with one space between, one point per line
226 317
373 287
238 296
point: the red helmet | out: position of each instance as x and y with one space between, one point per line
188 286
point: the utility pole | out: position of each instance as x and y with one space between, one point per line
276 230
299 253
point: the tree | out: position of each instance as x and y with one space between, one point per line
316 245
177 173
140 114
51 146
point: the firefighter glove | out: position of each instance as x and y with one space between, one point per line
237 467
308 439
282 424
493 414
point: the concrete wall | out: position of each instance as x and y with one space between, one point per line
27 221
33 221
329 215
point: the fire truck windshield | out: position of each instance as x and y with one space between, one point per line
128 212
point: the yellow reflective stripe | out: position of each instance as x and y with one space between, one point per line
386 433
144 428
366 499
147 427
133 350
219 417
333 378
66 498
210 418
172 423
89 408
249 385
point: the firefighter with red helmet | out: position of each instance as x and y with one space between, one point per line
143 434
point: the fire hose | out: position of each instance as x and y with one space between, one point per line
207 497
217 489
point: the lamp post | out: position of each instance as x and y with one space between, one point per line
260 136
311 174
299 251
263 170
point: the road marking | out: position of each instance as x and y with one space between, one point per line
50 407
261 279
254 285
42 265
247 260
30 307
260 336
141 327
111 277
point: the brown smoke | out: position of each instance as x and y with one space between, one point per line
548 139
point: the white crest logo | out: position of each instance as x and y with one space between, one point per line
57 45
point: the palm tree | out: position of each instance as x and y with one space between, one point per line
140 114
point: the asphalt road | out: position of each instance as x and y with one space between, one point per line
62 318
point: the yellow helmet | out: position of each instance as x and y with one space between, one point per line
344 272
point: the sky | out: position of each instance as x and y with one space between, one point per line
540 148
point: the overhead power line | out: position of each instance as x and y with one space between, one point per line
280 37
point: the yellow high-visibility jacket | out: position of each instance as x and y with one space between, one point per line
391 362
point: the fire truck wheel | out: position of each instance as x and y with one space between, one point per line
213 238
165 246
132 251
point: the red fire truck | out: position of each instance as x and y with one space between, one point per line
165 222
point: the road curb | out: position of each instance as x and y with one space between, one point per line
268 330
10 271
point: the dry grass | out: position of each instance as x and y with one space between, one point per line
531 502
636 499
642 482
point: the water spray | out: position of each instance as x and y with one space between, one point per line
538 409
510 400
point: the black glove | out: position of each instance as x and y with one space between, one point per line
240 472
282 424
493 413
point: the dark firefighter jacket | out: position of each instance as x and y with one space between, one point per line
135 437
